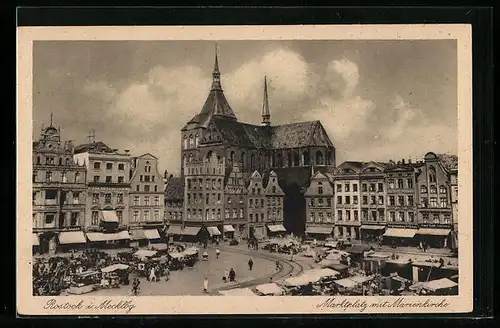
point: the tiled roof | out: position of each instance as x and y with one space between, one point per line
96 147
242 134
293 135
174 190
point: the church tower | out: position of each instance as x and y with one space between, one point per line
266 116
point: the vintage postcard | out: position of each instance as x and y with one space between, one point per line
244 170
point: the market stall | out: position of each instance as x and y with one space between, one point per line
84 282
270 289
237 292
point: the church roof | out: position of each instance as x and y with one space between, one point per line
293 135
242 134
174 190
95 147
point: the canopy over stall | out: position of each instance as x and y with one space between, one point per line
319 230
228 228
144 253
115 267
213 231
159 246
433 232
439 284
238 292
71 237
400 232
276 228
100 236
269 289
177 255
346 283
174 230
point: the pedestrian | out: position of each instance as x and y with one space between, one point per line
277 265
217 253
152 275
205 285
291 255
232 275
250 264
167 274
226 276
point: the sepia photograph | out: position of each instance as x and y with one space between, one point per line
232 166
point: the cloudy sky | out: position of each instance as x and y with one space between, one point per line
378 100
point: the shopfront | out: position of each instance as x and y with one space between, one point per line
371 232
434 237
109 239
144 237
71 240
319 233
180 233
400 237
346 232
229 231
275 230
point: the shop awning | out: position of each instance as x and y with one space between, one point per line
228 228
109 216
213 231
115 267
372 227
361 279
143 253
400 232
433 232
190 231
269 289
71 237
438 284
276 228
36 241
99 236
238 292
174 230
151 234
159 246
320 230
346 283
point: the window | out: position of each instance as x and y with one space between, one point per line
156 188
339 187
258 191
108 179
77 177
121 167
380 187
355 187
95 218
253 191
409 182
320 190
241 213
146 178
218 198
348 215
311 202
35 173
328 217
381 200
38 160
189 198
365 200
274 190
97 165
392 201
320 201
120 179
425 218
381 215
339 215
435 218
137 188
410 200
433 202
329 202
364 187
373 200
95 198
401 216
447 219
364 214
423 189
339 200
250 204
157 200
146 200
392 216
147 188
96 178
391 183
146 215
433 189
400 184
401 200
355 200
373 215
119 215
432 174
109 166
442 190
136 200
346 187
347 199
443 202
312 216
261 203
74 219
356 215
251 217
63 177
320 217
372 187
425 202
48 176
411 217
107 198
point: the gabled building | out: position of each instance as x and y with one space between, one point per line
59 194
146 208
174 205
347 200
319 207
235 193
256 207
285 149
107 196
275 198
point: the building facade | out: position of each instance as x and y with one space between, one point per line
256 207
275 198
146 196
401 216
373 200
58 193
235 195
290 147
347 200
454 197
107 194
174 202
319 207
434 199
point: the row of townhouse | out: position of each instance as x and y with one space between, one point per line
92 193
404 202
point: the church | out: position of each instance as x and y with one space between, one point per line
215 139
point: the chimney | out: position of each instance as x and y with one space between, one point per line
409 160
403 161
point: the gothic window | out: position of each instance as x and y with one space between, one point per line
60 161
231 156
296 159
432 174
252 162
191 141
305 157
289 155
38 161
185 142
243 160
190 157
423 189
209 154
279 160
319 158
433 189
442 190
196 140
67 161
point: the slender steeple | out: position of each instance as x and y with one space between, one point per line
266 116
216 74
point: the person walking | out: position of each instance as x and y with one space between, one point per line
217 253
167 274
226 276
277 265
152 275
205 285
232 275
250 264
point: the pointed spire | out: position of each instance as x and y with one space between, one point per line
216 73
312 171
51 115
266 116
